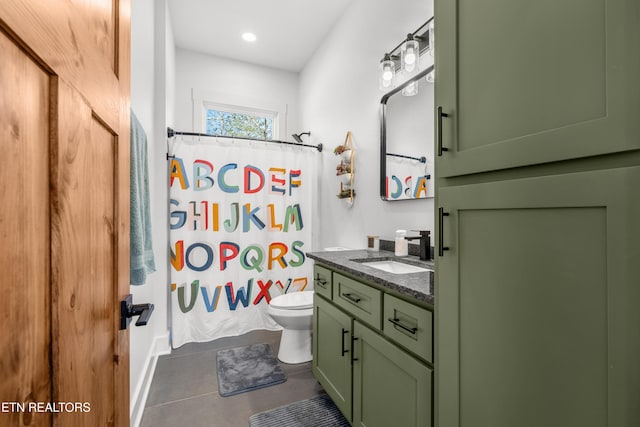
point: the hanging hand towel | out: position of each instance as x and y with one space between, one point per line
142 262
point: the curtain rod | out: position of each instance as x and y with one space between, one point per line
171 133
420 159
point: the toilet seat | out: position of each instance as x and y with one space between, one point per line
293 301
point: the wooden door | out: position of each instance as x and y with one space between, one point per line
530 82
64 135
537 302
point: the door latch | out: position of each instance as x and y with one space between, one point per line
128 309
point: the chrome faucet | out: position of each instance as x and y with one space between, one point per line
425 243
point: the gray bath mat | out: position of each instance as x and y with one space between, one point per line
247 368
318 411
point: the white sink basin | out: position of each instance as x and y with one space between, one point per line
395 267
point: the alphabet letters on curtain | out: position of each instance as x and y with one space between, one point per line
240 224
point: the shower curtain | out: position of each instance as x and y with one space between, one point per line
240 224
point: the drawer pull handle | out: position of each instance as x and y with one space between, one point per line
344 350
441 246
401 326
439 131
353 352
352 298
322 283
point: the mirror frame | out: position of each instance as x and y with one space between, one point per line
383 128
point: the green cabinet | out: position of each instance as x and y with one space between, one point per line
538 283
530 82
377 375
537 302
390 387
332 330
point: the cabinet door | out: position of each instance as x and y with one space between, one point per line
390 387
538 302
332 352
528 82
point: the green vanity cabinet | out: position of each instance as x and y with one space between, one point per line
379 373
390 387
529 82
331 365
537 302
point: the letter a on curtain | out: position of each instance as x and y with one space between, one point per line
240 224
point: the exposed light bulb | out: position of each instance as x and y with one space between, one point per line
387 73
410 58
409 54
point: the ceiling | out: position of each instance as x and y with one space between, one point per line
288 31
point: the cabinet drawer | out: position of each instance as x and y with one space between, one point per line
322 281
358 299
409 325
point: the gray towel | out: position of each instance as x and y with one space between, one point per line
142 262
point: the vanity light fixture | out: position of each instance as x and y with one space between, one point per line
431 38
404 59
249 37
410 54
387 73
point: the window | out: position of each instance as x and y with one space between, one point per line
240 122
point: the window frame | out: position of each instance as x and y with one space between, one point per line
204 100
236 109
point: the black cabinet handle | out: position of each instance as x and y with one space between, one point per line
439 131
322 283
401 326
353 351
344 350
352 298
441 246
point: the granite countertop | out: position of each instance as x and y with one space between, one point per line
414 285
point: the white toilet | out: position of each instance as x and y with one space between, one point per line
294 313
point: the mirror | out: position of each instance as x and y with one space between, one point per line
406 141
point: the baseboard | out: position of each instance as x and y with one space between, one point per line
139 399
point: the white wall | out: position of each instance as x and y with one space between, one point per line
152 72
339 92
227 81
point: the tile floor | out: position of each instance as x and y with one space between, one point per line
184 389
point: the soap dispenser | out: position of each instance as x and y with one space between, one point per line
401 243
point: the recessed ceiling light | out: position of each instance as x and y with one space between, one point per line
248 37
